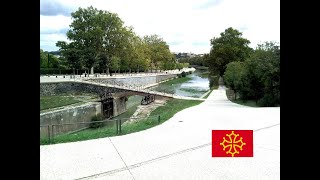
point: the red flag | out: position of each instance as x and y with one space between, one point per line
232 143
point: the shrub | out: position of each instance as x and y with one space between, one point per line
95 124
183 74
268 100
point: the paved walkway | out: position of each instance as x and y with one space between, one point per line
180 148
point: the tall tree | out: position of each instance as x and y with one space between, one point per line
96 36
159 51
232 76
229 47
115 64
258 78
43 59
265 67
71 54
48 60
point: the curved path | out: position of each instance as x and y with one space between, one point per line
180 148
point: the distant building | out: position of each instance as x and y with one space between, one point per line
185 55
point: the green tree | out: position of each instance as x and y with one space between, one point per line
95 36
229 47
158 50
268 70
54 61
179 66
48 60
205 59
259 75
134 57
71 55
43 59
197 60
169 64
233 76
115 63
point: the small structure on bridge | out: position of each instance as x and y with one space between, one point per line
147 99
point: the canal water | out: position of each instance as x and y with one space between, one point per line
196 86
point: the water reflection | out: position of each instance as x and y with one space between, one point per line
196 87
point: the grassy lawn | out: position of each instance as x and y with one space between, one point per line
204 75
172 107
176 81
250 103
166 112
47 102
191 90
202 68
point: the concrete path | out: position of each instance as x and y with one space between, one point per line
180 148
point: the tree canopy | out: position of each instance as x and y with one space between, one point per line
159 52
258 77
48 60
229 47
197 60
99 39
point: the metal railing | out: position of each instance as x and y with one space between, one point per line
53 130
140 88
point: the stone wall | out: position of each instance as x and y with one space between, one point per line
81 113
84 113
230 94
119 105
53 88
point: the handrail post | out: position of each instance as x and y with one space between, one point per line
117 127
49 134
52 136
120 126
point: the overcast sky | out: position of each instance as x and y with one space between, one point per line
186 25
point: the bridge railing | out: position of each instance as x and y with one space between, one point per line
140 88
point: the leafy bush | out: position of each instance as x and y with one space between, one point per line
268 100
94 124
183 74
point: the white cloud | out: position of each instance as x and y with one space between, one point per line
54 23
186 24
